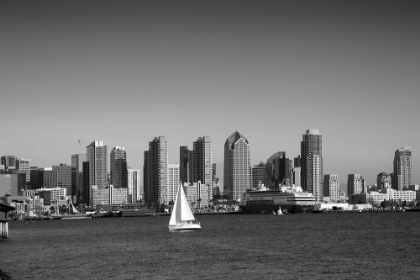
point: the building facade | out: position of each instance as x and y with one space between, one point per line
383 181
259 175
9 163
64 173
77 175
118 161
23 165
135 192
203 164
402 169
185 164
96 155
156 171
355 184
312 163
332 187
173 184
237 166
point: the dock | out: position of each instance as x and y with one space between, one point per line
361 211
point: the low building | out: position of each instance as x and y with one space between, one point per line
378 197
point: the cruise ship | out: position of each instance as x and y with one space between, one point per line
287 197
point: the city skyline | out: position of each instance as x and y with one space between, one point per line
270 70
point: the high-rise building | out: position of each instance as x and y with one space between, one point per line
47 178
9 163
85 194
96 155
22 165
173 183
237 166
185 164
383 181
203 165
33 178
217 180
332 187
77 175
135 193
259 175
402 169
356 184
156 170
281 169
119 167
64 177
297 171
312 163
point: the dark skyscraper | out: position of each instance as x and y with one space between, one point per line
118 161
312 163
402 169
185 164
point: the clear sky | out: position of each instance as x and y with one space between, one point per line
127 71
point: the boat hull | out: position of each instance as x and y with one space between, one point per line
186 227
268 209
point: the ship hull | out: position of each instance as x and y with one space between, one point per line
269 209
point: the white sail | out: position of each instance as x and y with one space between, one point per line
181 211
74 210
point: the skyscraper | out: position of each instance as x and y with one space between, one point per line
22 165
156 170
185 164
173 183
77 175
355 184
259 175
332 187
237 165
96 154
133 182
119 167
383 181
203 164
281 169
9 163
64 177
312 163
402 169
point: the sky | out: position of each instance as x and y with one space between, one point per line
125 72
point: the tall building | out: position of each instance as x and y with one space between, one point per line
22 165
203 165
173 183
297 171
402 169
119 167
85 191
281 169
47 178
64 173
9 163
237 166
156 170
77 175
185 164
383 181
259 175
217 180
355 184
96 155
135 192
312 163
332 187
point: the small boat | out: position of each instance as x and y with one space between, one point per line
182 218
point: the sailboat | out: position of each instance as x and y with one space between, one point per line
182 217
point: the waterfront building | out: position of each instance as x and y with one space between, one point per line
185 164
197 195
355 184
119 167
77 176
98 196
156 170
259 175
53 196
96 155
9 163
22 165
63 177
135 193
389 194
332 187
383 181
173 184
415 188
402 169
312 163
117 195
237 166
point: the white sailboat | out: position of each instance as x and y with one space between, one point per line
182 217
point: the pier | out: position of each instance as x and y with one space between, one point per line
4 226
361 211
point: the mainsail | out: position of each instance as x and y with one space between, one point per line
181 211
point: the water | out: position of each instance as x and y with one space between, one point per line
306 246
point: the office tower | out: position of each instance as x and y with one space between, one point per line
281 168
173 183
355 184
237 166
9 163
10 184
185 164
119 167
22 165
133 184
217 170
85 194
402 169
63 177
203 166
33 178
96 155
259 175
332 187
77 175
155 170
297 171
47 177
312 163
383 181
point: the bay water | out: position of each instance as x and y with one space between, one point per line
300 246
